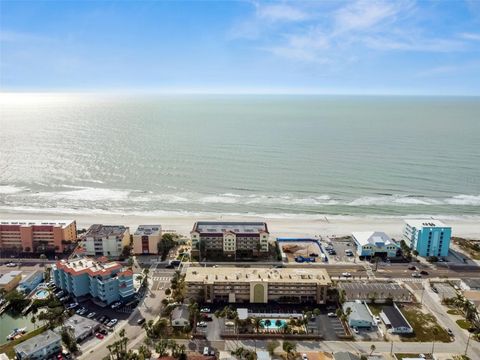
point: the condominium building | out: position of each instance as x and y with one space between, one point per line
146 239
375 244
428 237
40 347
230 239
105 240
37 236
257 285
105 281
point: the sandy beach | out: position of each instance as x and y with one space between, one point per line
310 226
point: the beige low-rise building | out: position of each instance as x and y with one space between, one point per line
146 239
10 280
105 240
257 285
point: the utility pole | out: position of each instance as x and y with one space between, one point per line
391 348
468 342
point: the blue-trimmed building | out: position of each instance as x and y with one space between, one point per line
428 237
105 281
31 281
375 243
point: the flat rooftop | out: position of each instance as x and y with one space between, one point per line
62 223
99 231
369 287
395 317
7 277
37 342
231 275
472 283
148 230
377 238
420 223
359 311
80 325
235 227
88 265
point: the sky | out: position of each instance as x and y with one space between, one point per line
325 47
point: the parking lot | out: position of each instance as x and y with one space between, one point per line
340 245
444 290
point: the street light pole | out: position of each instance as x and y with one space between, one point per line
468 342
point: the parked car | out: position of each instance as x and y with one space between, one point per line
101 319
103 332
416 275
205 310
205 351
201 324
423 272
346 274
99 336
450 332
72 305
313 255
412 267
355 330
11 264
91 315
169 266
116 305
434 289
206 317
332 252
141 321
377 319
304 357
106 320
331 314
112 323
60 293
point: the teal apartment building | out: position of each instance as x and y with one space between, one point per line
104 281
428 237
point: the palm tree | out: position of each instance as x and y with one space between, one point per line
278 323
34 320
162 347
256 323
372 349
145 352
267 323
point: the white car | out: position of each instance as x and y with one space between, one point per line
377 319
355 330
116 305
202 324
72 305
416 275
112 323
205 310
346 274
91 315
331 314
304 357
11 265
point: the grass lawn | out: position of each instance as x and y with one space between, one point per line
464 324
375 309
8 348
423 325
454 312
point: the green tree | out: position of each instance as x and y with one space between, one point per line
145 352
290 348
34 320
69 339
161 347
256 322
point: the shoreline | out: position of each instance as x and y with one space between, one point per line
296 225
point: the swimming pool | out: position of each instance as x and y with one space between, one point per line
273 323
41 294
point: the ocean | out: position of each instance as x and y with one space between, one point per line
239 154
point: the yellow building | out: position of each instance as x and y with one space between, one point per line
10 280
146 239
257 285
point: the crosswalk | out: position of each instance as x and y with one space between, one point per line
410 279
161 278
